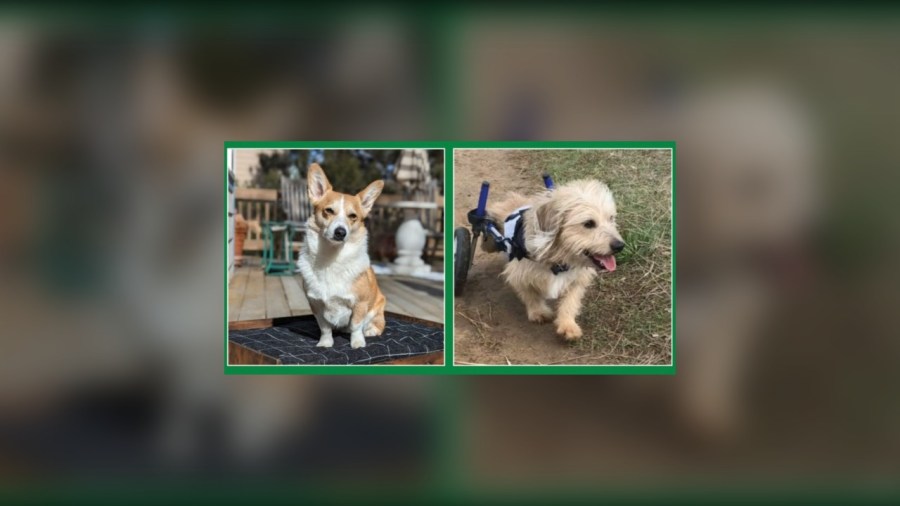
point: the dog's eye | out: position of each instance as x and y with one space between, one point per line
590 224
351 216
329 211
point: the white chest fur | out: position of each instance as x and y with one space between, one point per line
328 274
539 277
558 283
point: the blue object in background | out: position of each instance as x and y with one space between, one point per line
316 156
482 199
548 181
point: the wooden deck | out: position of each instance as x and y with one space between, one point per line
252 296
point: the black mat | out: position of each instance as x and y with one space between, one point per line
295 342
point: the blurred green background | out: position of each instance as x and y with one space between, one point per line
112 121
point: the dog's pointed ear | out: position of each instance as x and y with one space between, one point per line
369 194
549 217
317 184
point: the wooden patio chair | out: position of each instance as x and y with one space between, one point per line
297 209
295 202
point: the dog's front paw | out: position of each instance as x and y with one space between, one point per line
357 342
325 342
540 315
568 330
372 331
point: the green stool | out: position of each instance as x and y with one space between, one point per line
272 264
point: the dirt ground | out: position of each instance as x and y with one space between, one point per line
490 323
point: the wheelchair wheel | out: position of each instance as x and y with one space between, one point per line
462 258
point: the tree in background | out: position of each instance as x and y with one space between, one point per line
272 166
348 170
347 173
436 162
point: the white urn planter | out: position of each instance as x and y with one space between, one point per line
410 241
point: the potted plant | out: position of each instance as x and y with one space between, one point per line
240 234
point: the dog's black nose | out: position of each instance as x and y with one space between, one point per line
340 233
617 246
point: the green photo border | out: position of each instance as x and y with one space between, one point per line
448 368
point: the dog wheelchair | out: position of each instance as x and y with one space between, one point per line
465 242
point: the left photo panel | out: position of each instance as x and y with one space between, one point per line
334 258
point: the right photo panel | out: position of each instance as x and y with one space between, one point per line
563 257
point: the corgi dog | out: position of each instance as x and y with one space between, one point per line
334 262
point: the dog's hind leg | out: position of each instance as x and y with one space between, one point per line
488 245
367 321
376 325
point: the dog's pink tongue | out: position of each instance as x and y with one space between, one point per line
609 262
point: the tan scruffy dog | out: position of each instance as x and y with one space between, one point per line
558 240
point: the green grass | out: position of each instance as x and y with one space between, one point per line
627 314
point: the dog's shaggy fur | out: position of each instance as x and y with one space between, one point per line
573 225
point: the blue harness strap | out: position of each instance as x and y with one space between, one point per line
514 234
